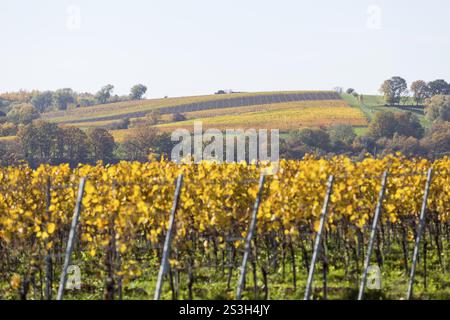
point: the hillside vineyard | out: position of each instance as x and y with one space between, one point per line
219 103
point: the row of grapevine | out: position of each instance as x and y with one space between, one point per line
125 215
224 103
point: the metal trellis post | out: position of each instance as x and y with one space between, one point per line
166 250
70 242
318 238
376 218
249 237
419 233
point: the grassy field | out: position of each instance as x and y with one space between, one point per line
372 104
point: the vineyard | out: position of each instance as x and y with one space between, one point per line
284 110
125 212
283 116
135 109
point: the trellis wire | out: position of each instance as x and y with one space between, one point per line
248 240
419 233
166 250
376 218
318 238
70 242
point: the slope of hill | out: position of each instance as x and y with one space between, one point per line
283 116
281 110
284 110
371 104
136 109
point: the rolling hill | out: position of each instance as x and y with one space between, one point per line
281 110
136 109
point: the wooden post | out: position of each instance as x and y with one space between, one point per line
70 242
318 238
166 250
419 233
249 237
376 218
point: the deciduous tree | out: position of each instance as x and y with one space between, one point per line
438 108
63 97
438 87
101 144
42 101
420 91
23 113
104 94
394 89
138 91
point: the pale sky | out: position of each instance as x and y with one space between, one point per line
188 47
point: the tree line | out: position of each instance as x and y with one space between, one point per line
24 107
44 142
395 90
62 99
388 132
